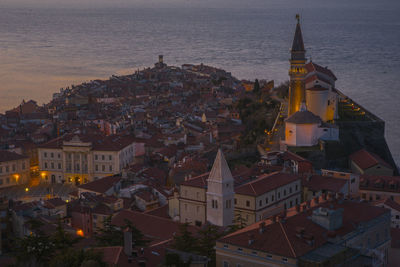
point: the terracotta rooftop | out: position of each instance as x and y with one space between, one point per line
101 185
9 156
266 183
311 67
319 183
366 160
281 238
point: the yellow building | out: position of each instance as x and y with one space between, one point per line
14 169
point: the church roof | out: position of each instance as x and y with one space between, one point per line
220 170
298 44
304 117
313 67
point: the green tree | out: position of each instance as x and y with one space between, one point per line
184 241
109 234
138 238
62 239
74 257
35 249
208 237
256 88
174 260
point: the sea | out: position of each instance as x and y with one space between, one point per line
43 49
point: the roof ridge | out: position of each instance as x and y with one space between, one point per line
287 239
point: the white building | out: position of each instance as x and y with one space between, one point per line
304 128
220 193
78 159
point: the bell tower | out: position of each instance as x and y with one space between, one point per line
297 71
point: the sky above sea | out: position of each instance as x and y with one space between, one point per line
49 44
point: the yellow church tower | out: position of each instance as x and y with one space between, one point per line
297 71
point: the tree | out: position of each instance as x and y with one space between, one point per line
174 260
138 239
109 234
73 257
206 242
184 241
62 239
256 88
35 249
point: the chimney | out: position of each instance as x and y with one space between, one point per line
262 227
128 243
251 239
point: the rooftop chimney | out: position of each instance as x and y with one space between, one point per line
128 243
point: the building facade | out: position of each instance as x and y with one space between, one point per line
78 159
14 169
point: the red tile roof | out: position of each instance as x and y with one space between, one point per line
281 238
9 156
266 183
366 160
101 185
155 228
319 183
311 67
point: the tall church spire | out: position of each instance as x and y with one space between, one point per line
298 44
297 70
220 193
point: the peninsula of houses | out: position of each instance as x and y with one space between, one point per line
190 166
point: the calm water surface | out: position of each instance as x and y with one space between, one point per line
42 50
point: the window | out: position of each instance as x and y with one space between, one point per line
103 168
8 180
226 246
52 155
58 155
7 168
23 165
228 204
1 169
297 187
235 201
397 217
13 167
285 259
266 200
45 154
45 165
279 195
110 157
254 253
59 166
353 180
52 165
290 190
96 157
272 198
214 204
260 203
226 264
110 168
96 167
269 256
247 203
240 249
284 192
102 157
